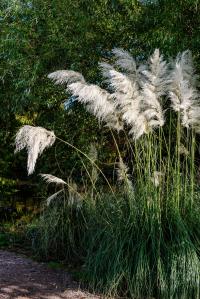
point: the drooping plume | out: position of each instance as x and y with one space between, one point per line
98 101
49 178
53 196
66 77
34 140
118 82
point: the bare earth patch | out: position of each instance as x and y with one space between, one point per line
22 278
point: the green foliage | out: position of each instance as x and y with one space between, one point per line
4 241
59 233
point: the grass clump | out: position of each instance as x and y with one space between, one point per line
142 254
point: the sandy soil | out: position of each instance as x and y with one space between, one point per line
22 278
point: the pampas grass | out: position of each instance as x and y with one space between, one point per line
135 96
141 240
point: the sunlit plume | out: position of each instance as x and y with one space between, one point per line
183 93
34 140
153 88
66 77
49 178
98 101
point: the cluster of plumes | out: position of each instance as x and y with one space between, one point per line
34 140
133 98
135 93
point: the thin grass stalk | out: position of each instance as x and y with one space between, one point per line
177 166
170 167
90 177
78 150
138 165
193 146
187 179
134 153
161 170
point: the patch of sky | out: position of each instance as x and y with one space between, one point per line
69 103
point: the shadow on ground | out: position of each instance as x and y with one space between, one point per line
22 278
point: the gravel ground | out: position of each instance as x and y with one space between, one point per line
22 278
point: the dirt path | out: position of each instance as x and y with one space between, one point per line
22 278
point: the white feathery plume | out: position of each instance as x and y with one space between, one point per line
98 101
49 178
154 88
140 127
153 110
130 107
53 196
127 99
105 69
157 75
125 61
118 81
183 93
66 77
94 97
142 111
35 140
